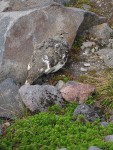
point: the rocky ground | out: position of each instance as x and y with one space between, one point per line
54 53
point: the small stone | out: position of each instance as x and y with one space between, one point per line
104 124
108 138
87 111
83 69
82 47
94 148
63 149
86 64
60 84
88 44
96 48
93 50
86 7
0 129
6 124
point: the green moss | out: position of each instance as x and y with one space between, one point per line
54 130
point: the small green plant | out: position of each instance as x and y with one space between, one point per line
90 100
55 130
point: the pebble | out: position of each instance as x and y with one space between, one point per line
104 124
6 124
0 129
93 50
94 148
60 84
83 69
86 64
88 44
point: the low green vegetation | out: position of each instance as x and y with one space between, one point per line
55 129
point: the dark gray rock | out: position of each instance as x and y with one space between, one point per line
38 98
87 111
94 148
11 105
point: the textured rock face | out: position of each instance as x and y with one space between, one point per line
108 138
76 92
20 31
39 97
17 5
94 148
4 5
11 104
107 55
87 111
102 31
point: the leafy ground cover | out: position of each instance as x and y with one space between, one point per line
55 129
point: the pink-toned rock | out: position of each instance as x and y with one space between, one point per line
76 92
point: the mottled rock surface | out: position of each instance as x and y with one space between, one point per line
107 56
94 148
38 98
102 31
20 5
108 138
87 111
76 92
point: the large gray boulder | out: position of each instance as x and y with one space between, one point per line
11 105
17 5
22 31
38 98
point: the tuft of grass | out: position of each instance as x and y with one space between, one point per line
55 129
103 81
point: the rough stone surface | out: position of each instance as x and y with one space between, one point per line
20 5
39 97
49 56
87 111
108 138
104 124
102 31
4 5
21 31
76 92
107 55
10 101
94 148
